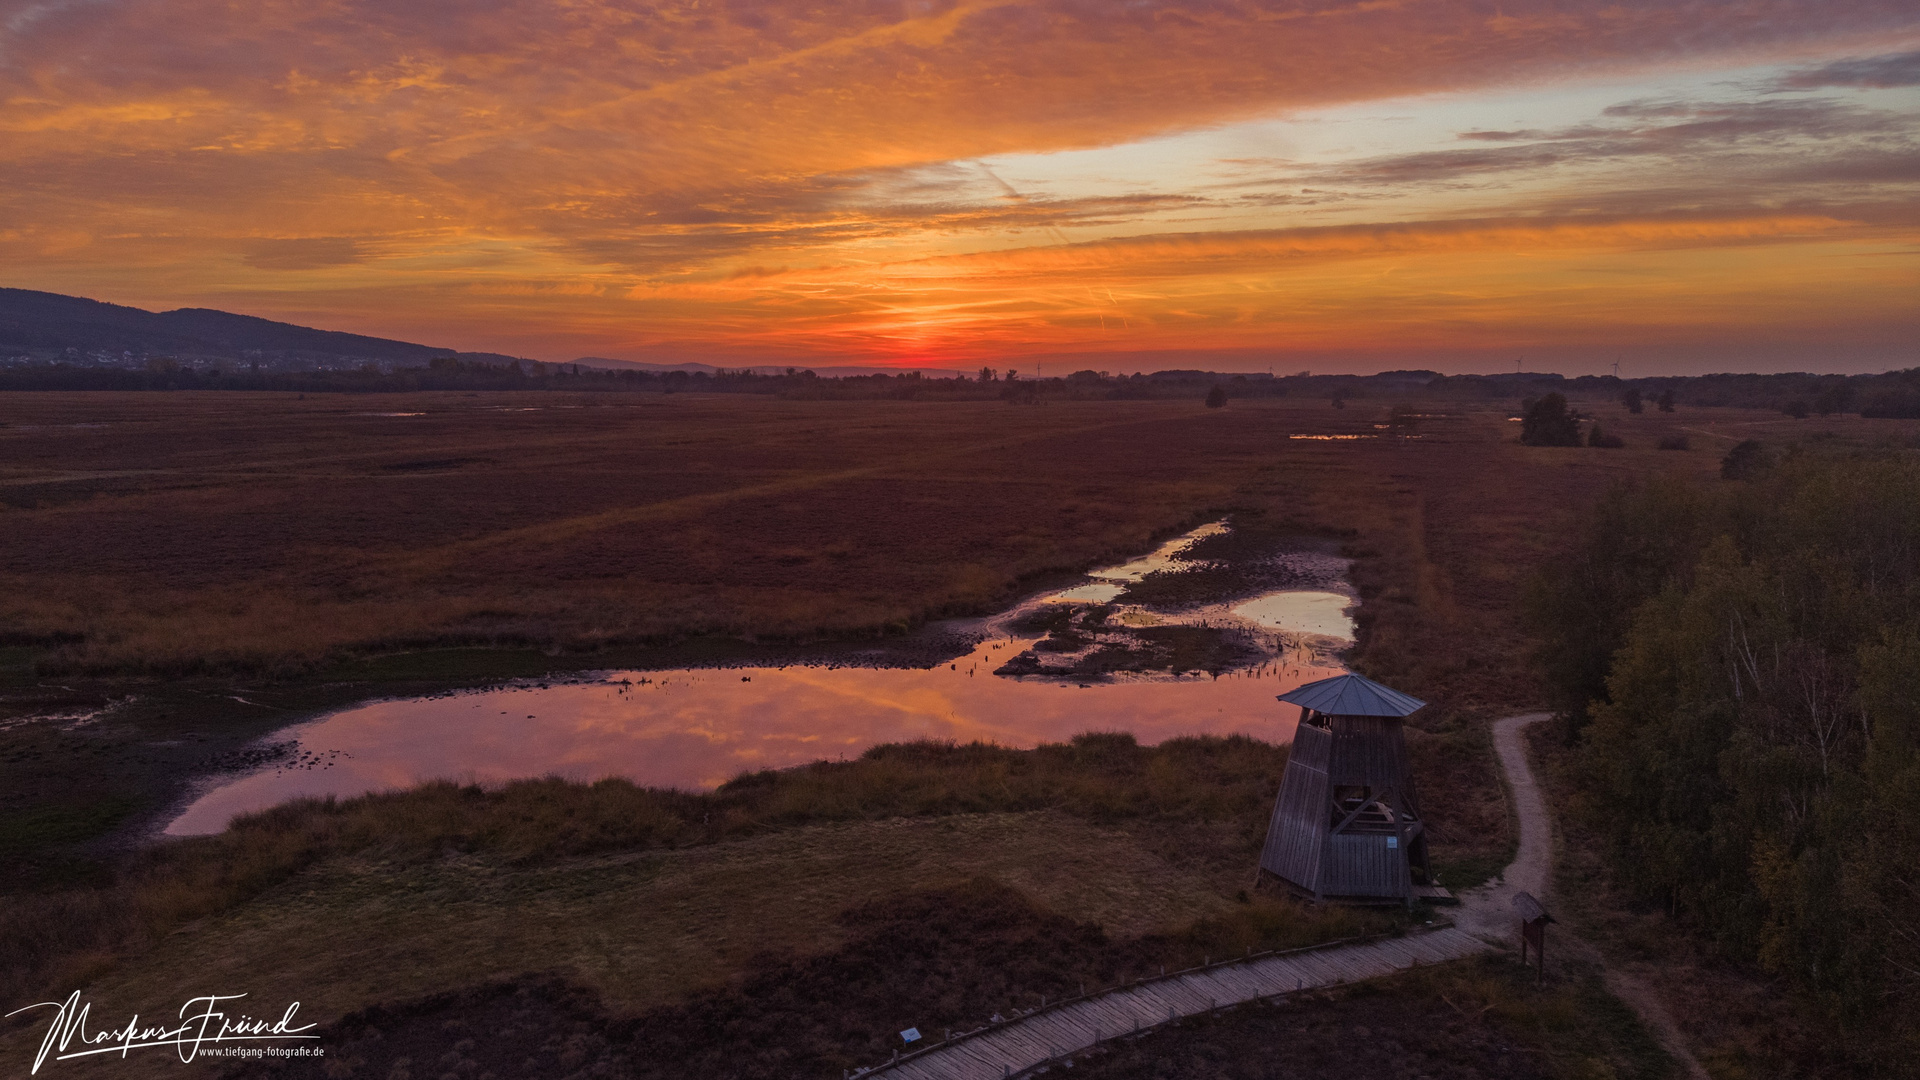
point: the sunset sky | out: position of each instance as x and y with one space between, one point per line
1675 186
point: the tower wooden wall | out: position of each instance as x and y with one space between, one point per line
1346 825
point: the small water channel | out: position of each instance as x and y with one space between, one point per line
1027 680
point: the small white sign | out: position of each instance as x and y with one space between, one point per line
1393 842
910 1035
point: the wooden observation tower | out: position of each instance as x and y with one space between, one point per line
1347 824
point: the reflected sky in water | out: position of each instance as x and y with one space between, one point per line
698 728
1321 613
701 727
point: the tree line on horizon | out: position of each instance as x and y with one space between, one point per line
1894 394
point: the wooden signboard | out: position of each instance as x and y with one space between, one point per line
1533 929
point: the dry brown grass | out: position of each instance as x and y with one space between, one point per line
1481 1018
262 532
1223 787
230 531
640 928
942 958
239 532
236 531
341 905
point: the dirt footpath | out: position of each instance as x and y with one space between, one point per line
1488 910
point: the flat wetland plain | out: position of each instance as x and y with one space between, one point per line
183 572
178 533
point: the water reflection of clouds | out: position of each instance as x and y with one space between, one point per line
1322 613
699 728
1164 557
1097 593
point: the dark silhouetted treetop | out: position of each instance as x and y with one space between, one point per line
1548 423
1746 461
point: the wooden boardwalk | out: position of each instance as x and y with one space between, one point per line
1012 1047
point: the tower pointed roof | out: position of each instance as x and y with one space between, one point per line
1352 695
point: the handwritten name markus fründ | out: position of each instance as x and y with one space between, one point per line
205 1028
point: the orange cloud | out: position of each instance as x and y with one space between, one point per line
1458 284
603 176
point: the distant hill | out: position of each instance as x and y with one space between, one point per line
49 328
48 325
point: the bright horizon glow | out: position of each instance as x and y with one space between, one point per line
1337 186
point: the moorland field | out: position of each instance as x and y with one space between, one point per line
168 547
183 572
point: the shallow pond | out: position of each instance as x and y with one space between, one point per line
1303 611
697 728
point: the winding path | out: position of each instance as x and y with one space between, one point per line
1484 922
1487 911
1013 1047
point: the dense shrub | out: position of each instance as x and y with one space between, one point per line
1746 461
1547 422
